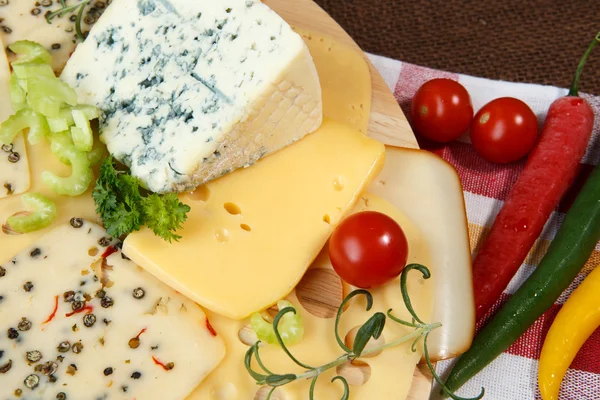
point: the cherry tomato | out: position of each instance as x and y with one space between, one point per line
441 110
504 130
368 249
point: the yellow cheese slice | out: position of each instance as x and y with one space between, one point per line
345 80
269 220
391 371
14 165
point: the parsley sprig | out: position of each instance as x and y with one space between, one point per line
65 9
372 328
124 207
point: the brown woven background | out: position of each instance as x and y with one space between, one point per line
537 41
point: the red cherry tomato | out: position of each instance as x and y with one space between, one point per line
441 110
368 249
504 130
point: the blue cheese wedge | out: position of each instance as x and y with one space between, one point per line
191 90
77 322
14 166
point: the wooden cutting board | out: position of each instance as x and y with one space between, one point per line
387 123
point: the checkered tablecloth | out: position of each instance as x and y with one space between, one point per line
513 375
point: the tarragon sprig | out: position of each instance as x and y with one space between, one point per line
372 328
65 9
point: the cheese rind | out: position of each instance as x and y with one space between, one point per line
193 90
268 220
130 323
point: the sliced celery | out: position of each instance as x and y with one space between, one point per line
291 327
58 124
33 70
38 127
29 51
83 138
96 156
45 105
90 112
44 212
61 146
18 97
53 88
80 178
13 125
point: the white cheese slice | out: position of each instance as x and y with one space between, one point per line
25 20
14 165
191 90
100 360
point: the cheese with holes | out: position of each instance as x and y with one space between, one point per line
191 90
391 372
345 79
14 165
251 235
91 328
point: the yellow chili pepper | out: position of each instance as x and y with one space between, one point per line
574 324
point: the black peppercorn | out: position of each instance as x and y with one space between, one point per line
28 286
61 396
13 157
136 375
76 222
7 148
77 347
33 356
107 302
104 241
32 381
108 371
13 333
63 347
138 293
2 272
6 367
77 305
35 252
24 325
89 320
36 11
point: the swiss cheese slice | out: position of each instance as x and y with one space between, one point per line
269 220
345 80
133 337
14 165
391 372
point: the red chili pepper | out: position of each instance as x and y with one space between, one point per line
210 328
110 250
51 317
140 334
548 173
167 367
87 308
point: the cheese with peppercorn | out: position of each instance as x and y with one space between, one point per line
192 90
78 320
14 166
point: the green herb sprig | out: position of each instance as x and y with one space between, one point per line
124 207
67 9
372 328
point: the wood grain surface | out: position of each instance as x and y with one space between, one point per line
387 123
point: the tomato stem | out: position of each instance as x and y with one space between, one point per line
574 90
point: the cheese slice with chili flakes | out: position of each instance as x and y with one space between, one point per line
78 318
14 166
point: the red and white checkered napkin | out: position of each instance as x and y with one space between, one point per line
513 375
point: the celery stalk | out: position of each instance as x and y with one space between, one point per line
29 51
80 178
44 213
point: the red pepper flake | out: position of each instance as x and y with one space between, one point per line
166 367
210 328
140 334
51 317
87 308
109 250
